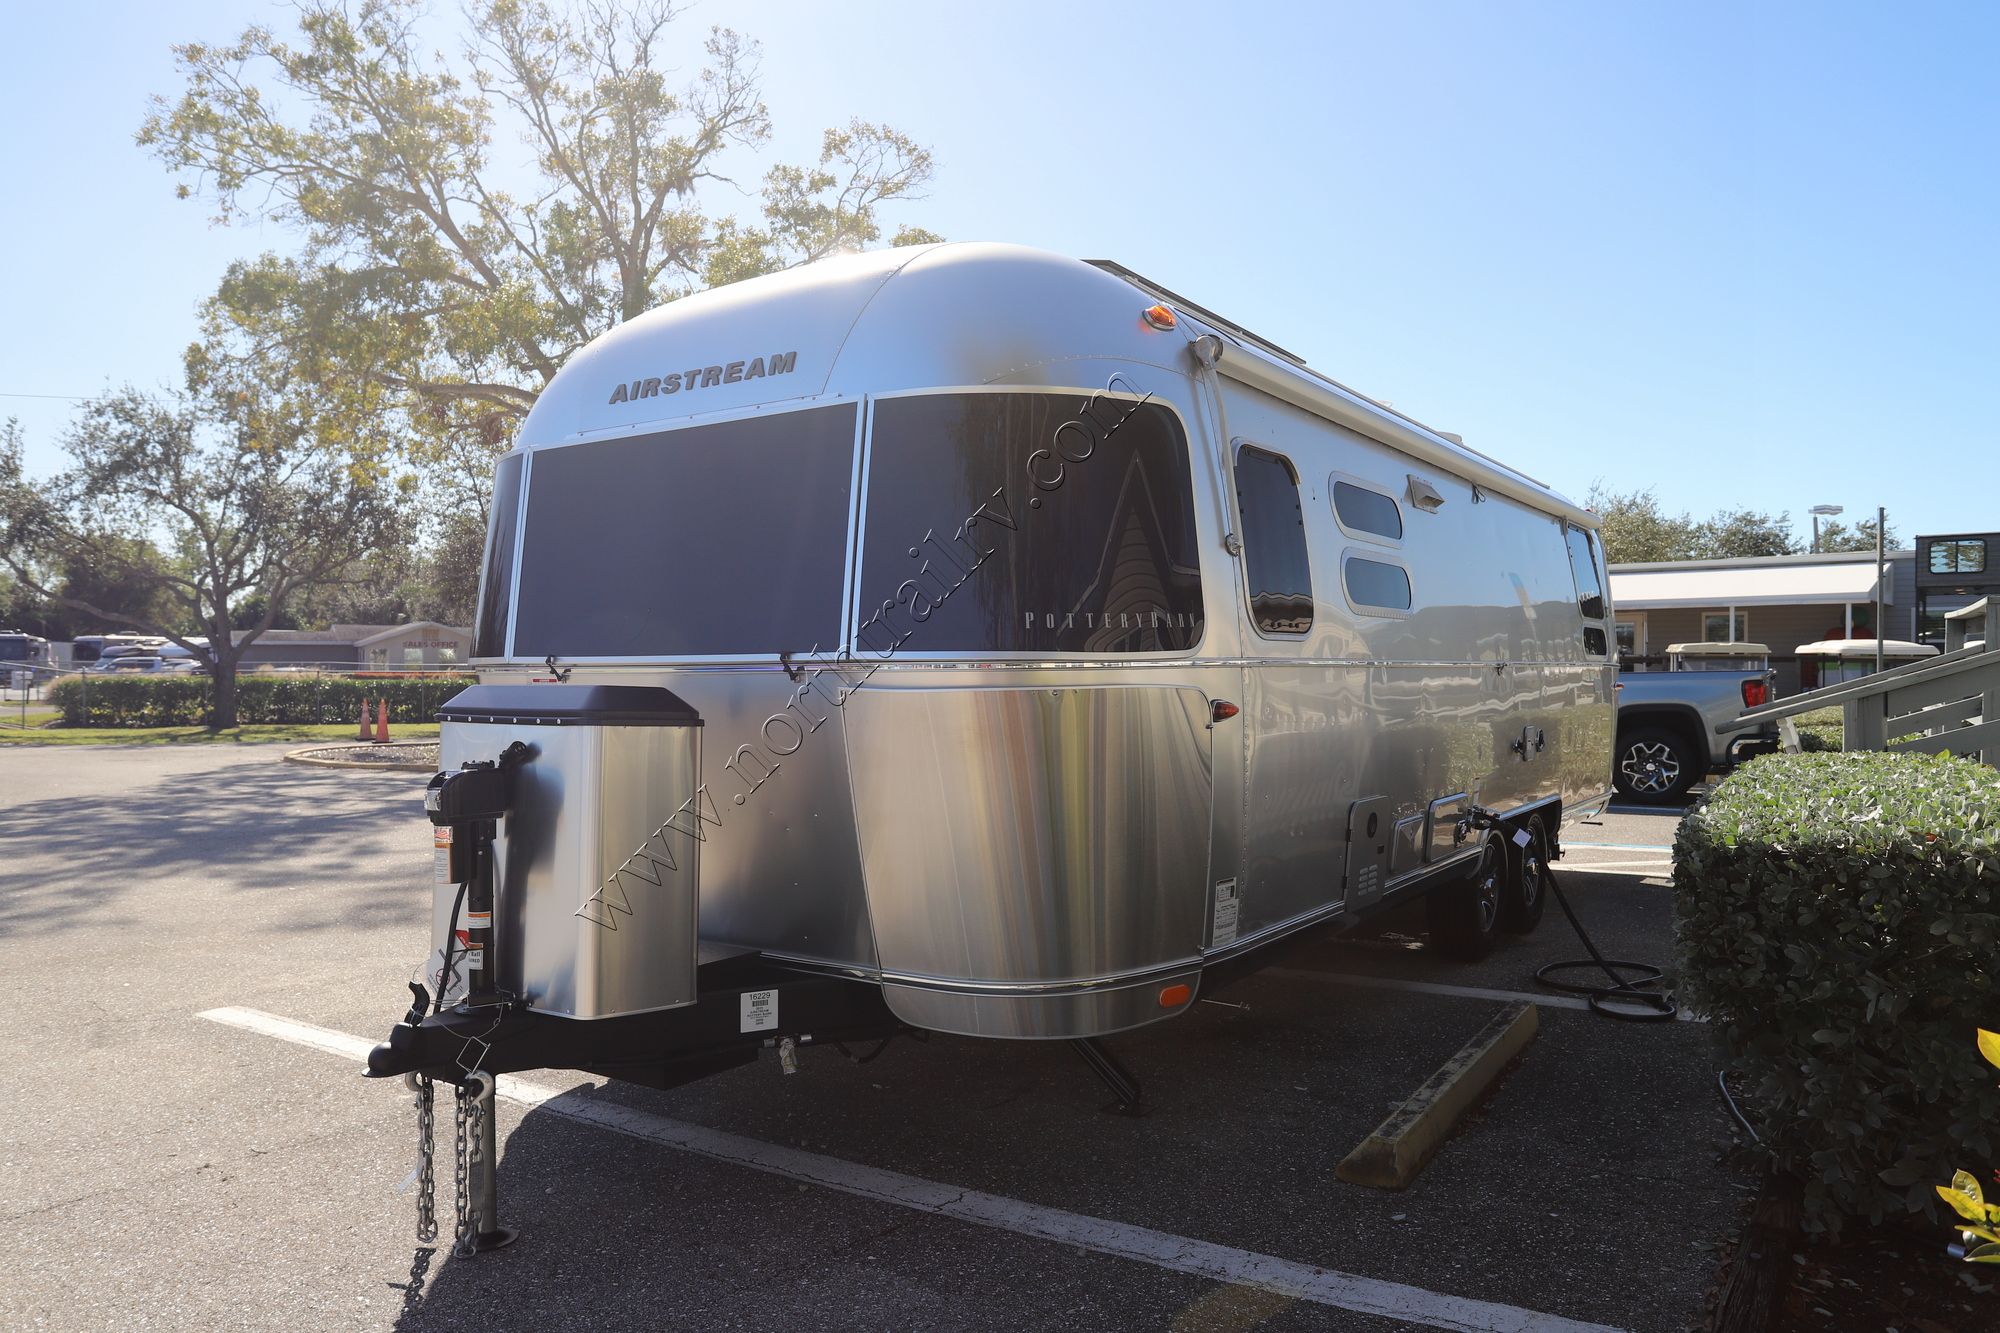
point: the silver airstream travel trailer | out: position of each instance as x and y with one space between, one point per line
971 639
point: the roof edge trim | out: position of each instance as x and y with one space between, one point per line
1396 431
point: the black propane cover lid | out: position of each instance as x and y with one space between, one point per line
570 706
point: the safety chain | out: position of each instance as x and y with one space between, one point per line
468 1124
427 1226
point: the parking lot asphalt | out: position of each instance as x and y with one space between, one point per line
162 1170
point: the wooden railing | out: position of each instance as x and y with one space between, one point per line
1933 704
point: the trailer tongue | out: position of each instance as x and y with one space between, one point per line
551 800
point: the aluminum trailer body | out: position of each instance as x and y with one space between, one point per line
1056 644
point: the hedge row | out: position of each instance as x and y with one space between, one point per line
281 697
1840 924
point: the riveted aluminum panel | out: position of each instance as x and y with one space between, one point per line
1053 839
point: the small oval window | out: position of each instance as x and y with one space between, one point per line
1367 511
1373 583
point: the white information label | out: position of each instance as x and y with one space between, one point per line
1522 838
478 921
441 857
1225 914
760 1010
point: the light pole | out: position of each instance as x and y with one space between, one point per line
1819 512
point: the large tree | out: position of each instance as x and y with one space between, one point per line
1837 536
248 507
1635 528
468 222
1744 532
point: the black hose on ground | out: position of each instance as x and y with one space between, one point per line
1653 1005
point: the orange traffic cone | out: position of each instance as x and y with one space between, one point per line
382 722
361 731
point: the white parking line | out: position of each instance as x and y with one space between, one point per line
1623 867
1619 846
1220 1263
1547 999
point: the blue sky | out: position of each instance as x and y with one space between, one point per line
1744 253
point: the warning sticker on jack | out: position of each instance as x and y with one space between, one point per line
441 855
479 920
1225 914
760 1010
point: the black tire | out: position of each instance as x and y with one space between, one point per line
1464 915
1655 765
1527 890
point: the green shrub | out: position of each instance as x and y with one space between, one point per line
1838 914
1821 729
279 697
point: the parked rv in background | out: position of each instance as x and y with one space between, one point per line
88 648
1058 649
20 650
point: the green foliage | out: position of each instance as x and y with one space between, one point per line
1978 1219
1744 532
1822 729
468 222
254 505
1637 530
1838 916
286 697
1837 536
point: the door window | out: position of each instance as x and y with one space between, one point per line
1274 543
1583 567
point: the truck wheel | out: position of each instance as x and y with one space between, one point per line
1655 765
1527 890
1464 915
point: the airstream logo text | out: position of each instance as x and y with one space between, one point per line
707 377
784 732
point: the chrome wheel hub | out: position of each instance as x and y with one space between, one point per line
1489 896
1652 769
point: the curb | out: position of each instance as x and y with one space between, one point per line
1392 1156
317 757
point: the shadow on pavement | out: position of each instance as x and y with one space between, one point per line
256 828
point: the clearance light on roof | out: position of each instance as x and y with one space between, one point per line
1159 316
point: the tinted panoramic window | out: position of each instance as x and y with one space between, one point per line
1364 510
1583 564
706 540
1374 583
1961 557
1082 539
489 631
1274 543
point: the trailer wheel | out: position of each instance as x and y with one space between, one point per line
1655 765
1464 915
1527 887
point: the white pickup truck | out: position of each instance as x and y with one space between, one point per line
1668 721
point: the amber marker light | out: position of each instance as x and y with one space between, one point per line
1176 995
1159 316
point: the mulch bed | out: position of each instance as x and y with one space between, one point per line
1894 1277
